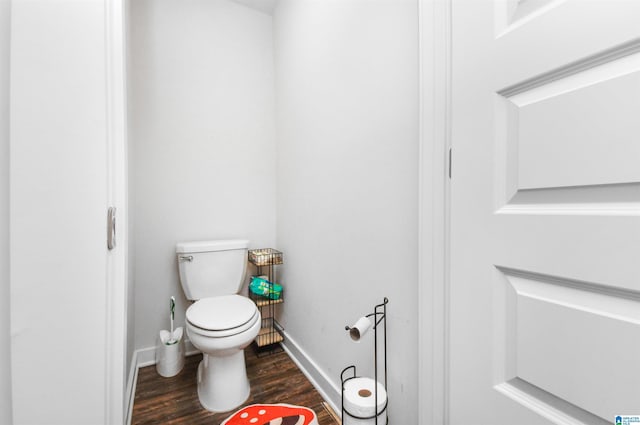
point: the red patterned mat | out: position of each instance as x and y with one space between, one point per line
272 414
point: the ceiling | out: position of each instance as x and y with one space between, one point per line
265 6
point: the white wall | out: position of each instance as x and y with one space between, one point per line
5 348
347 102
202 129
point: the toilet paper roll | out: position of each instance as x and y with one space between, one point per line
361 327
359 400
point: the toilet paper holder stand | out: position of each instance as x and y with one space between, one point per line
379 316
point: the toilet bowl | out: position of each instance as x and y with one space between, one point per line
222 327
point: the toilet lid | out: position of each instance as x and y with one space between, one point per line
221 313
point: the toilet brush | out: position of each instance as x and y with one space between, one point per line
170 350
172 308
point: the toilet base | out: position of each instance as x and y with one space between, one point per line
222 382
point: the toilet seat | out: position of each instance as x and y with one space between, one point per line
222 316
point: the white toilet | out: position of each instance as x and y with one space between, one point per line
220 323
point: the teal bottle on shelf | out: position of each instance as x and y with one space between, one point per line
261 286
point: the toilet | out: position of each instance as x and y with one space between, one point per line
220 323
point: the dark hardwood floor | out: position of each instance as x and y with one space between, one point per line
274 379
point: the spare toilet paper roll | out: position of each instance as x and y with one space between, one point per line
359 400
361 327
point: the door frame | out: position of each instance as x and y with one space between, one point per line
116 139
434 32
434 29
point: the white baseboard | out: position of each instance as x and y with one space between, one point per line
327 389
147 356
142 358
131 387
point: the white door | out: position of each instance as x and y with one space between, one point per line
545 212
67 143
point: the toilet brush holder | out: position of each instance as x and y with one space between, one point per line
170 353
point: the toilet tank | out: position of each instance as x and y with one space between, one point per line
212 268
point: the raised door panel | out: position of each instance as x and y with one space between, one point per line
581 137
570 342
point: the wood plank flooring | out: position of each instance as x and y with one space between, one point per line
274 379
